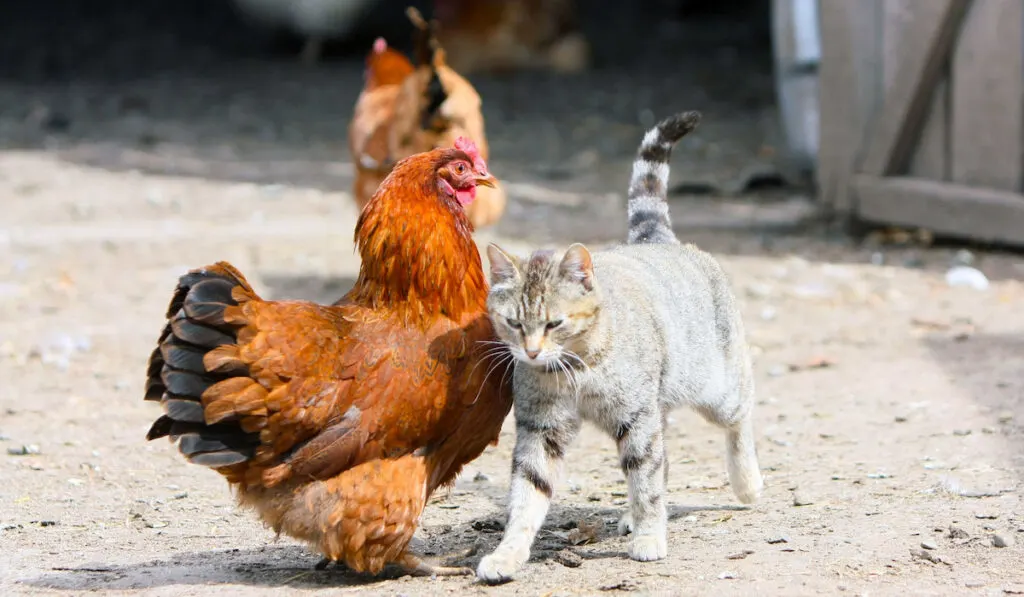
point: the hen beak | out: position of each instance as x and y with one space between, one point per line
486 181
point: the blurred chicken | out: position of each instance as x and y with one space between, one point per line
336 423
430 107
315 20
495 35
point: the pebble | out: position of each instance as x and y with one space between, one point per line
777 540
958 533
727 576
799 499
961 432
777 370
481 477
929 545
974 584
1000 540
568 559
1005 417
594 497
965 276
26 450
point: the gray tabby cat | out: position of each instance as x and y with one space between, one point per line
620 338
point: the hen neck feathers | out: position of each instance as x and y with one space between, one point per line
418 255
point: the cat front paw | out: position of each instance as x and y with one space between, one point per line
648 548
498 567
626 523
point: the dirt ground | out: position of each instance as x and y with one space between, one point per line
890 420
891 409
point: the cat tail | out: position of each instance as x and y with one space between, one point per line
648 187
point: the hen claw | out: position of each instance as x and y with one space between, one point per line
416 566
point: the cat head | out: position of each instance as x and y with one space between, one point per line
541 307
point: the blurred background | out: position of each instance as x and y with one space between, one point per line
229 89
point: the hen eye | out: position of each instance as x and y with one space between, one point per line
554 324
460 168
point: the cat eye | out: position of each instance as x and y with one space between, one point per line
515 325
554 324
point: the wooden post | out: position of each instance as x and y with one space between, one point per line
849 89
930 158
988 97
928 41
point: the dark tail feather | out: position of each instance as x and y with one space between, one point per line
177 376
426 49
648 187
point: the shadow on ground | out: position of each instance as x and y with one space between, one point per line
293 565
988 368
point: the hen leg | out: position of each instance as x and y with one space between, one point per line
416 566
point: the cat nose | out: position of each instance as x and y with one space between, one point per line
532 353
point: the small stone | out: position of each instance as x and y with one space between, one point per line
75 482
25 450
966 276
1000 540
929 545
1005 417
800 499
739 555
961 432
481 478
986 515
777 370
778 539
974 584
900 419
768 313
594 497
727 576
957 533
181 495
568 559
988 430
619 494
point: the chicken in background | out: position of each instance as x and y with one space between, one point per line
495 35
336 423
315 20
431 107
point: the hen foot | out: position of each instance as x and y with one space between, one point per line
416 566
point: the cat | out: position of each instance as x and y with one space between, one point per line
619 338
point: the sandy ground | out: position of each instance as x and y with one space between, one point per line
890 407
890 421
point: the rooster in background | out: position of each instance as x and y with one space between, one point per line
336 423
495 35
404 110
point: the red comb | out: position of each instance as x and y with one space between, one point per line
379 45
466 145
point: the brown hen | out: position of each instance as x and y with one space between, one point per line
413 110
336 423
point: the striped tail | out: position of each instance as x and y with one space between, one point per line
648 187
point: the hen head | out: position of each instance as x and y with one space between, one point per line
460 170
385 66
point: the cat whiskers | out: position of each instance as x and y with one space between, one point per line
501 356
575 373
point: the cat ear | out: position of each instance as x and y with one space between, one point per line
577 265
503 265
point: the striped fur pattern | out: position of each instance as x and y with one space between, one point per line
648 187
619 338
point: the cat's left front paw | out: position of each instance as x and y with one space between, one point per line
648 548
